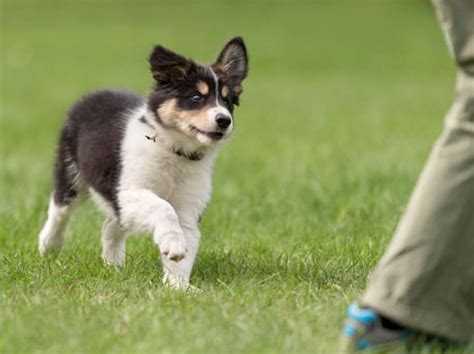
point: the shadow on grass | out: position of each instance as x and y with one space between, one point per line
236 267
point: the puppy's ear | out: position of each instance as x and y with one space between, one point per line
166 65
233 60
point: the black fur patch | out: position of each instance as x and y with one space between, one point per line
65 172
91 139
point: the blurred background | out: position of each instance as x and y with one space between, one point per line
327 78
342 103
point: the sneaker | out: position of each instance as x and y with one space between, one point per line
366 329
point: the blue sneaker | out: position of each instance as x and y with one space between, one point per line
365 329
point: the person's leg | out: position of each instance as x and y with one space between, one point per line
455 17
425 280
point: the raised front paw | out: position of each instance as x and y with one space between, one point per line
173 247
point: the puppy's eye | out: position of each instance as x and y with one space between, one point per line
197 98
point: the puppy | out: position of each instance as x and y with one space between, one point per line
148 162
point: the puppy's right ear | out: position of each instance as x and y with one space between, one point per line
233 60
166 65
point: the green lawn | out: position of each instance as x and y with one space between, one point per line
342 104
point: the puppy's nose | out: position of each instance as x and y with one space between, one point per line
223 120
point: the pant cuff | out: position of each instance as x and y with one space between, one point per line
419 318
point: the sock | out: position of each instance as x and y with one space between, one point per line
389 324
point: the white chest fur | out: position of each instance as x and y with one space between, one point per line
151 164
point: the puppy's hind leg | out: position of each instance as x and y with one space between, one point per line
113 242
61 204
51 237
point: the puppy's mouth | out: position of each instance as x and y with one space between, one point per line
215 135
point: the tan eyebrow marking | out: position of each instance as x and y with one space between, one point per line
225 91
202 88
238 89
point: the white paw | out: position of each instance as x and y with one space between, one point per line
179 284
114 257
174 282
194 290
49 245
173 247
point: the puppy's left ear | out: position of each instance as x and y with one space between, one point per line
233 60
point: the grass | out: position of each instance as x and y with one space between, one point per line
343 102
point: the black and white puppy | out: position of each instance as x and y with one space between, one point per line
148 162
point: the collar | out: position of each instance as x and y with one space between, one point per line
192 156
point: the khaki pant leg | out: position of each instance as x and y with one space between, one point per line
425 280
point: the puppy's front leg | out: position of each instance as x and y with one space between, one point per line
141 210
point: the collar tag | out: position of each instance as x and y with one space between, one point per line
152 138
